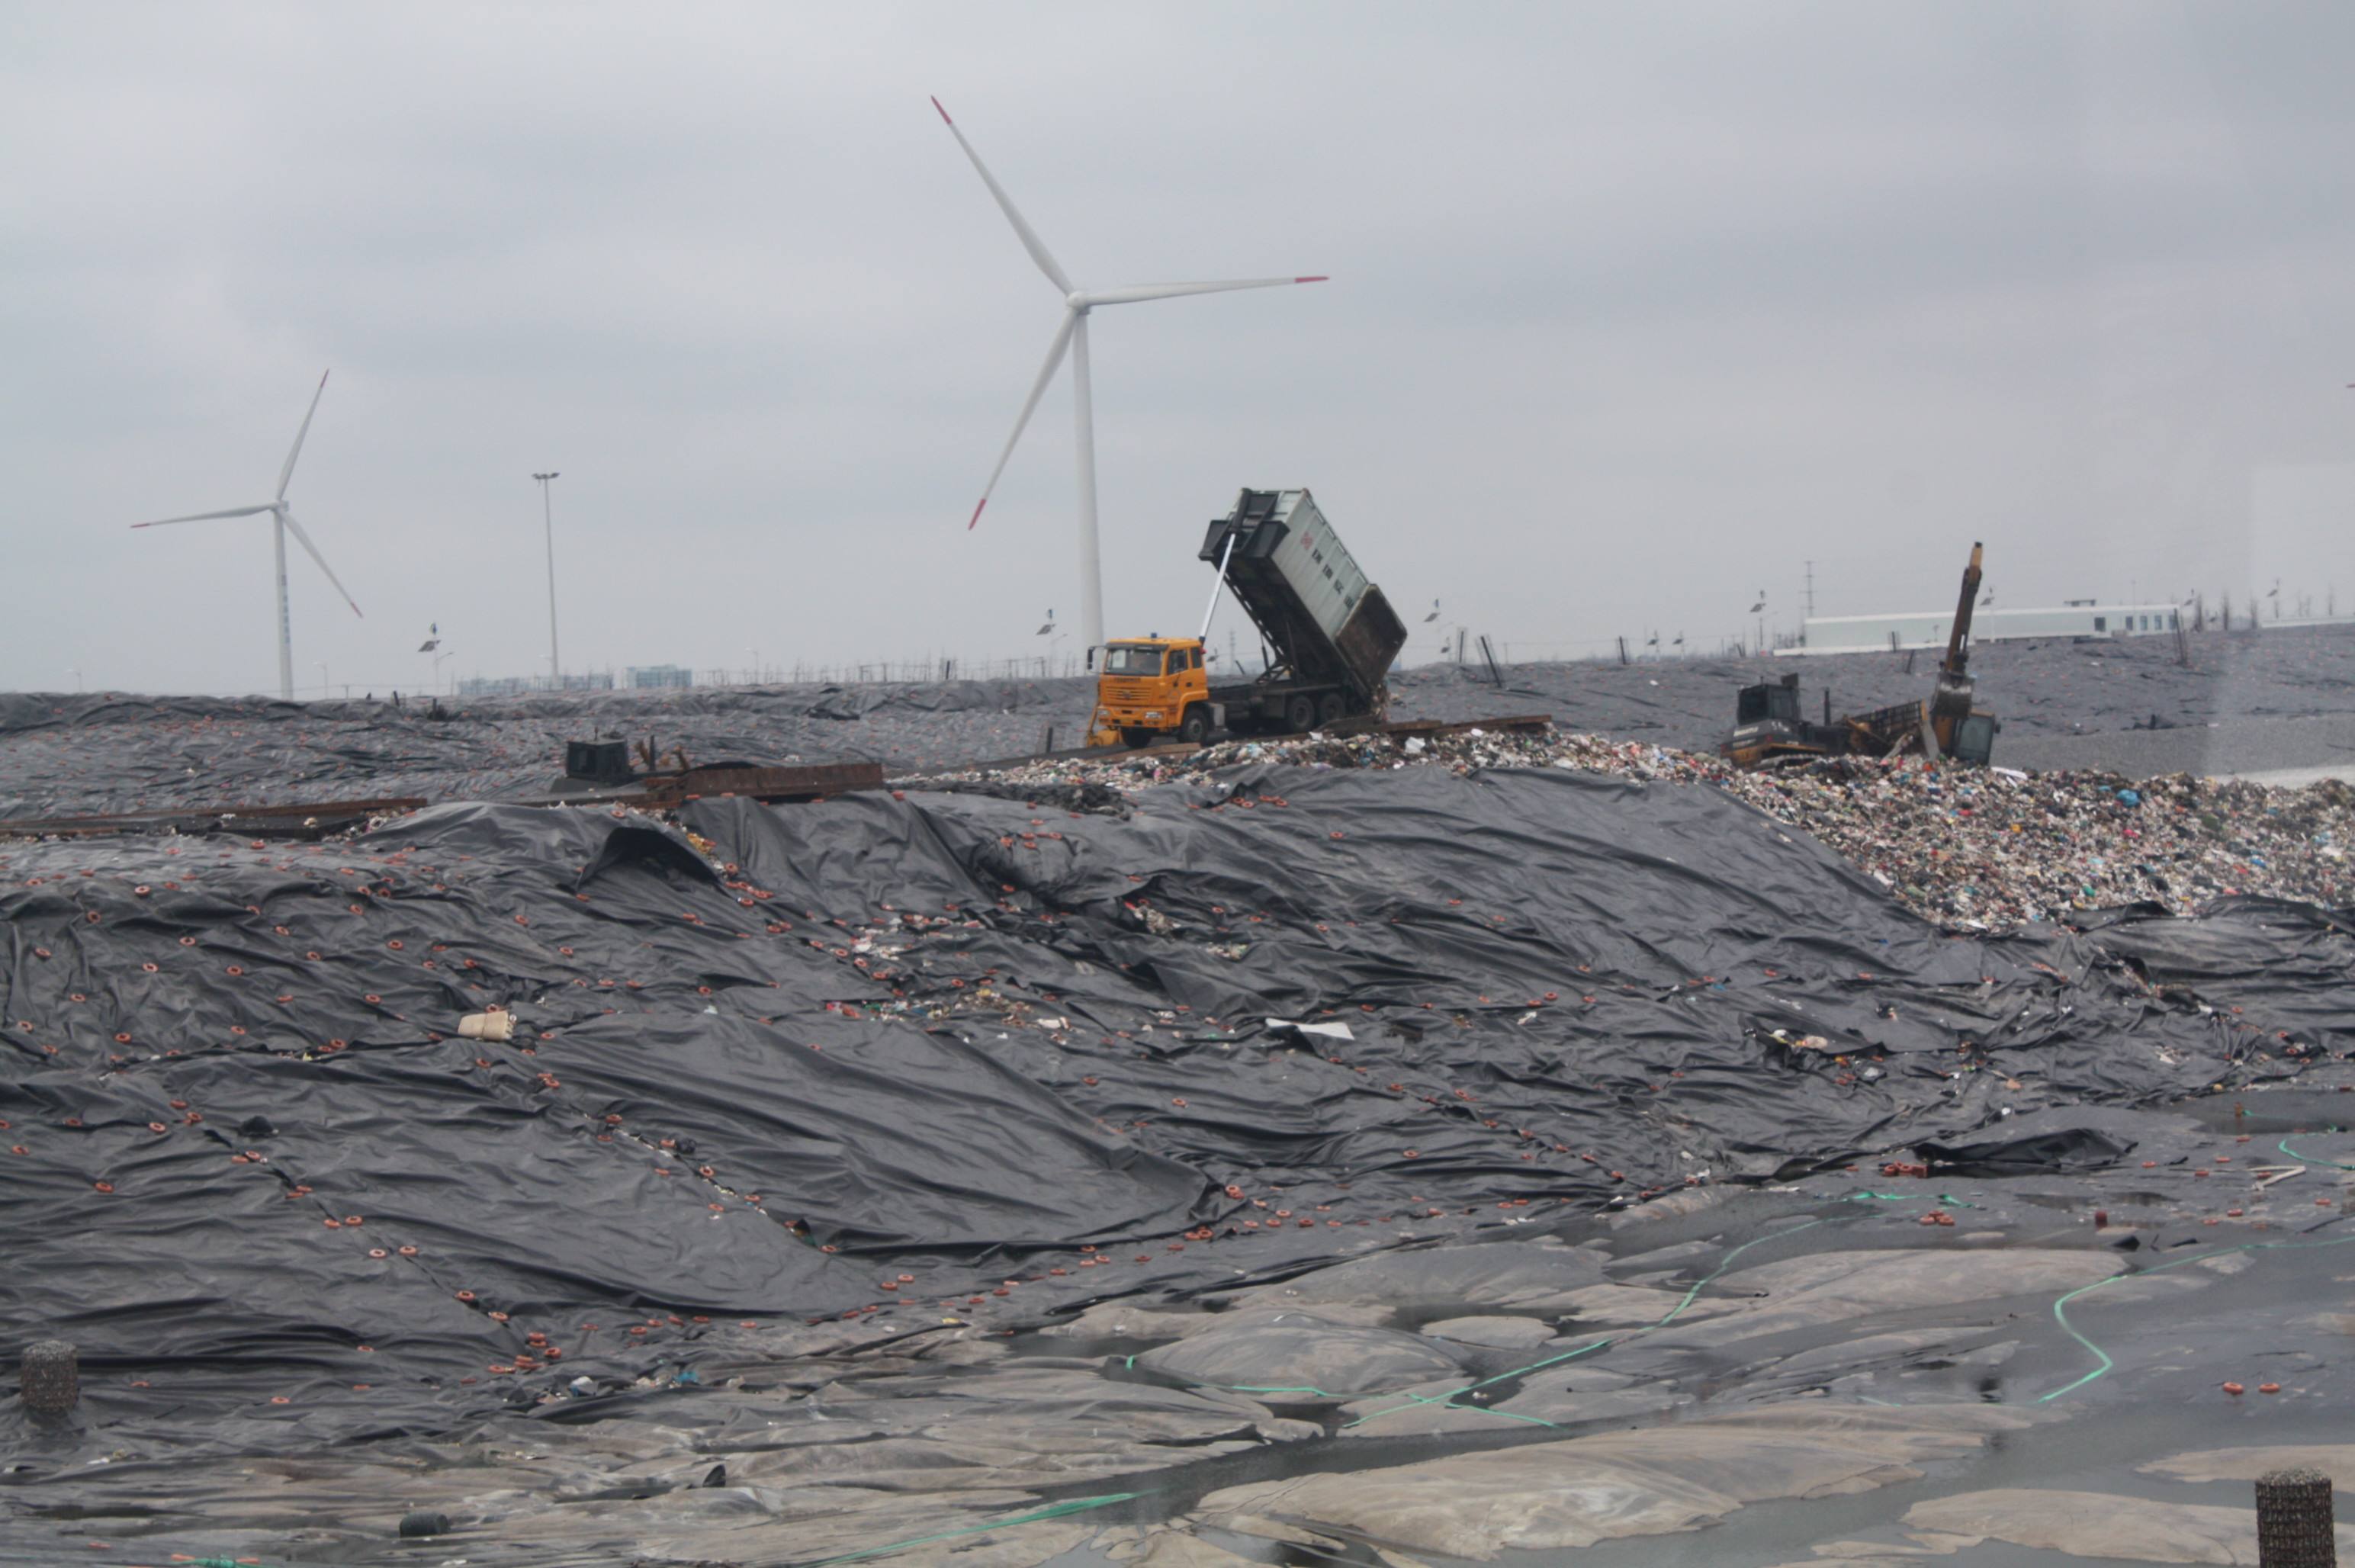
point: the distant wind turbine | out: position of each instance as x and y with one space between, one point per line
1071 336
282 521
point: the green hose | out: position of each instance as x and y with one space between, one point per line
1055 1511
2060 1306
2310 1158
2061 1314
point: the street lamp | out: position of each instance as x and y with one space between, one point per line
547 520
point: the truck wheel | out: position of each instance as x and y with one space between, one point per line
1136 739
1194 727
1332 709
1300 714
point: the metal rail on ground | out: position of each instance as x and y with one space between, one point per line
314 819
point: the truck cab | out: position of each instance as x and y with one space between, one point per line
1152 689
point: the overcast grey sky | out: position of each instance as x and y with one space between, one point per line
1634 309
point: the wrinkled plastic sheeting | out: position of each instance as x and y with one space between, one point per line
2062 1150
74 753
2297 955
952 1037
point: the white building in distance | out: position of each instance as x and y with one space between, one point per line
1928 629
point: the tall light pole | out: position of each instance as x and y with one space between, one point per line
547 520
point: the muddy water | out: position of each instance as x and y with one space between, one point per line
2195 1305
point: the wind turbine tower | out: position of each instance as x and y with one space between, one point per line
282 522
1071 336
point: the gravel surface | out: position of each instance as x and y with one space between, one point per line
2038 689
2263 750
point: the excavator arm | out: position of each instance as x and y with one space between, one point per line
1959 650
1944 727
1950 703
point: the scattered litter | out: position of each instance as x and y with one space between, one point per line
496 1026
1974 850
1326 1031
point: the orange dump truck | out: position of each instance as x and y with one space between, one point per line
1327 638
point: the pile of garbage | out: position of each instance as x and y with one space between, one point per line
1972 849
1994 849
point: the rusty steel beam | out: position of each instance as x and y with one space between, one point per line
802 782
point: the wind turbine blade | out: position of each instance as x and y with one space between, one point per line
1170 291
287 472
1031 240
304 540
1055 351
207 517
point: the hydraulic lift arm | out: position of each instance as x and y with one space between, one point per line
1950 704
1958 651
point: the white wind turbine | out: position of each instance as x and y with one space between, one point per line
281 519
1071 335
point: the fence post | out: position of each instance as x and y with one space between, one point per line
50 1378
2294 1520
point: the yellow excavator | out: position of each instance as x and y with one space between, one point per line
1768 728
